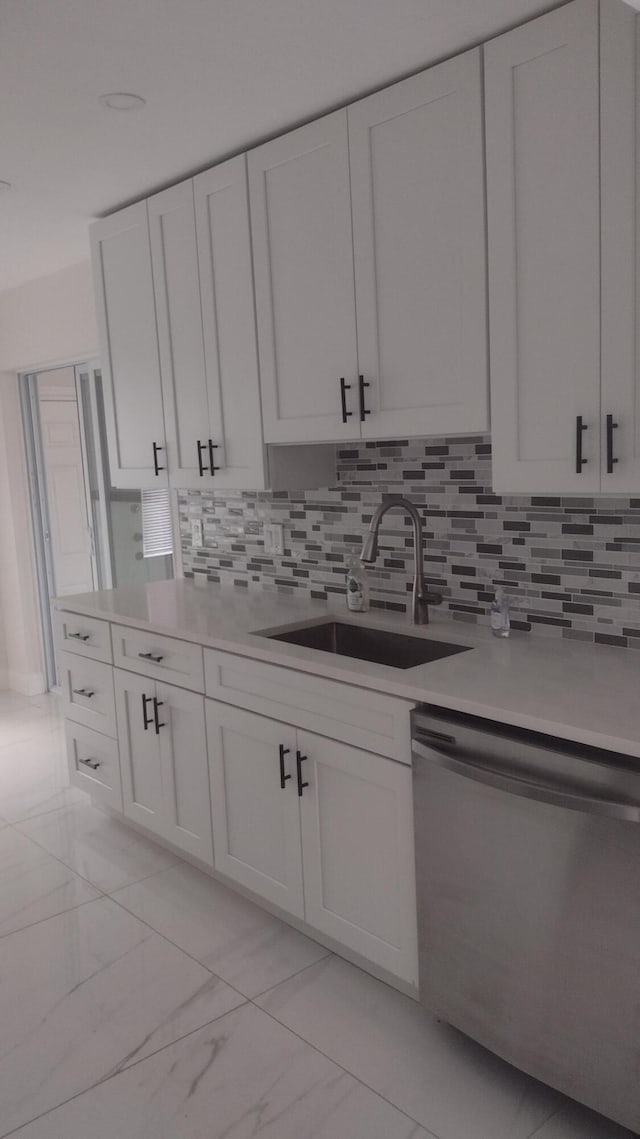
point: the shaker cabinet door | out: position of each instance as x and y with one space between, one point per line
357 845
303 260
542 139
620 207
256 823
125 309
417 184
185 774
177 291
228 315
142 790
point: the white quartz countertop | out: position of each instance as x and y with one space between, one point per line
582 692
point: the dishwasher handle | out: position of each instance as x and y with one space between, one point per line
424 748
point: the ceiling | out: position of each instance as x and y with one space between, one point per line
218 76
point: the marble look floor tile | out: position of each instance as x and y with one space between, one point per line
242 1076
236 939
451 1085
99 847
33 885
573 1121
84 995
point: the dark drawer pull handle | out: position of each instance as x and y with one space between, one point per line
78 636
212 466
146 720
159 724
92 763
299 761
362 384
344 388
580 428
155 657
611 460
156 466
84 692
201 448
283 778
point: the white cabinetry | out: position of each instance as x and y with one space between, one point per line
417 186
401 176
301 216
321 828
562 147
163 757
126 317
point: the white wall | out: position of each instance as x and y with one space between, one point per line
48 321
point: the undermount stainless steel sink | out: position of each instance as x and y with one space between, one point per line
396 650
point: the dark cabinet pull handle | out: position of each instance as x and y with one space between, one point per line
159 723
83 692
155 657
157 468
299 761
610 457
212 465
201 467
146 720
580 427
92 763
344 388
283 778
78 636
362 384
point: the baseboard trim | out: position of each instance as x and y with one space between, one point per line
26 683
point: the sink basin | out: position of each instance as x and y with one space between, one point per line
378 645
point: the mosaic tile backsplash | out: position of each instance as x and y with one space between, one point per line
569 566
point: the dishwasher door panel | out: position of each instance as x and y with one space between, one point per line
529 934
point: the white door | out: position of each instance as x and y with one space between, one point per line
228 315
620 209
303 259
358 857
256 822
140 766
542 139
174 255
125 309
69 524
185 772
417 185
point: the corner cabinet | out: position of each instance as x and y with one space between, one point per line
125 310
562 151
393 342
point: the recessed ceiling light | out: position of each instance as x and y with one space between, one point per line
4 185
122 101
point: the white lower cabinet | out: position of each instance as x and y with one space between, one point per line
256 820
93 763
163 758
321 828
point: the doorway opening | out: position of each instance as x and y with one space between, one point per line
87 534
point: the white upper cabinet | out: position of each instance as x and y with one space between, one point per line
126 317
176 282
542 140
229 321
620 208
417 185
303 261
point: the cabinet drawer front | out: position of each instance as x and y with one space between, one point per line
356 715
94 763
86 636
163 658
87 692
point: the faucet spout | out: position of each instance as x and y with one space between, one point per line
420 597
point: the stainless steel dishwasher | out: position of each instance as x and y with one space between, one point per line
528 886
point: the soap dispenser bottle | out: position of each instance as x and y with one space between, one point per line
499 615
357 586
